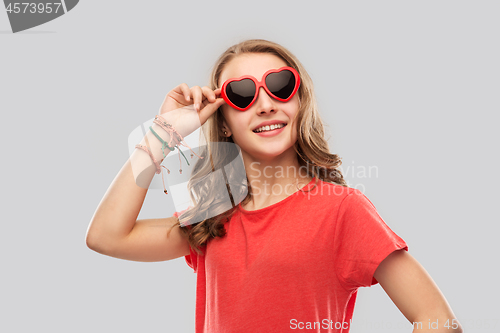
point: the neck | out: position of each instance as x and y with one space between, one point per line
275 179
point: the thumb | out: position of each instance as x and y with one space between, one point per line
211 108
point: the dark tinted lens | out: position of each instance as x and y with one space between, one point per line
281 84
241 93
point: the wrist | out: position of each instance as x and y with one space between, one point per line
157 148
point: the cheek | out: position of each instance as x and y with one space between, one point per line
292 110
293 113
234 119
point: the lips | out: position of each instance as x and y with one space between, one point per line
269 123
269 128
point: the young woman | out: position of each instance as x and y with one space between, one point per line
291 246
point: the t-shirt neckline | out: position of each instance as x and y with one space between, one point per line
274 205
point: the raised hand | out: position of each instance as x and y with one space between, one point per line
189 108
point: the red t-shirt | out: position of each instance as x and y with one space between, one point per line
292 266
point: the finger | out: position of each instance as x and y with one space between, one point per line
197 97
209 94
217 92
184 90
204 103
212 98
210 108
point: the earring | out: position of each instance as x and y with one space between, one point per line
225 133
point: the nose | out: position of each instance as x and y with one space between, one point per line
264 103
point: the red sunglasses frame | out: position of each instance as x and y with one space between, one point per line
259 84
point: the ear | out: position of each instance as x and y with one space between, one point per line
225 128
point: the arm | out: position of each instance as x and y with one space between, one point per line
415 294
114 229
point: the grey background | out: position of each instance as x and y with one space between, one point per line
408 88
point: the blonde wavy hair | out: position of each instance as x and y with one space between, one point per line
311 147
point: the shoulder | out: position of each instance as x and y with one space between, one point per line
342 201
329 191
327 197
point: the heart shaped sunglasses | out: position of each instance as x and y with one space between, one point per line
281 84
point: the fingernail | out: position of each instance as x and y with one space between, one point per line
197 107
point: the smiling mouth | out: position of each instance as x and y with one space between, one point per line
269 128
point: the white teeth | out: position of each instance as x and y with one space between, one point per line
269 128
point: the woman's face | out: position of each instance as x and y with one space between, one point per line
266 145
